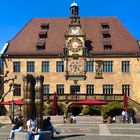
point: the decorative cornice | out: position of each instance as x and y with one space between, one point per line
134 55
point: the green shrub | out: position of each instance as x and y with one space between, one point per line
91 110
61 108
113 108
47 109
85 111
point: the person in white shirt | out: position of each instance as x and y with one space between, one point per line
124 116
32 127
74 118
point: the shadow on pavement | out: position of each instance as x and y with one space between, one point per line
67 136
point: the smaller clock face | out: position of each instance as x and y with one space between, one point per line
75 44
75 30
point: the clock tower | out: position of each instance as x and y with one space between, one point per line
75 46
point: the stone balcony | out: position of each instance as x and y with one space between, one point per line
76 97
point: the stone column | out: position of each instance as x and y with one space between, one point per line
39 100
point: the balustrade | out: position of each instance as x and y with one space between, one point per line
75 97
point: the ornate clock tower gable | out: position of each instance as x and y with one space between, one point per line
75 44
75 37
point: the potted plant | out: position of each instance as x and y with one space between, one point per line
105 116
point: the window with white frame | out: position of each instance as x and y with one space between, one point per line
126 89
90 89
60 66
46 88
89 66
60 89
16 66
45 66
107 89
125 66
107 66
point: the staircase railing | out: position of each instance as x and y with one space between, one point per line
134 103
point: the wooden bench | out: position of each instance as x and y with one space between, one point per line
44 135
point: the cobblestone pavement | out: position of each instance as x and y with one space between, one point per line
88 128
98 131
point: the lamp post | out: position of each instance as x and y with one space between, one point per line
12 110
12 105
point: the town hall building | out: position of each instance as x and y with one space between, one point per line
79 57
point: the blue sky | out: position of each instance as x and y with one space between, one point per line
14 14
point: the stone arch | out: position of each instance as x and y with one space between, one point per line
67 107
75 109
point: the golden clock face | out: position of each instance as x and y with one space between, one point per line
75 67
75 44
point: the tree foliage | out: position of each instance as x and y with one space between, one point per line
113 108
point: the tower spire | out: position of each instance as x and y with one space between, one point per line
74 9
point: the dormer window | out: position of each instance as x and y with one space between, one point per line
43 35
107 47
39 48
106 35
105 26
40 45
44 26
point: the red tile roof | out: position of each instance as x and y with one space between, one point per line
25 41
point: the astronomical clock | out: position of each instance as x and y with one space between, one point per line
75 47
75 67
75 42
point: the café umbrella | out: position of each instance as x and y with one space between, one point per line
16 102
125 104
54 105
